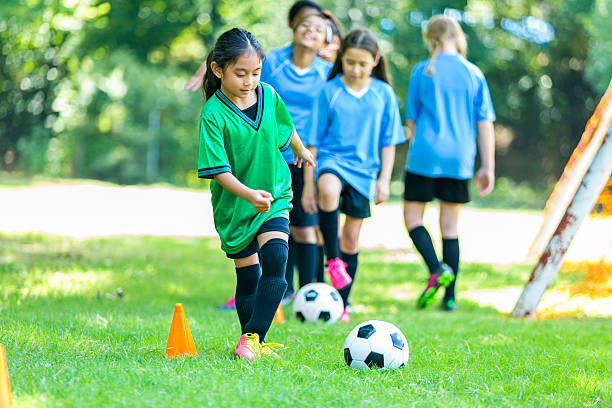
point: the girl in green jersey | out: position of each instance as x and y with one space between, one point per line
244 126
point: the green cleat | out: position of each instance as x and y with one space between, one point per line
449 305
443 278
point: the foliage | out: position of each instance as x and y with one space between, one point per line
510 194
599 63
82 82
73 341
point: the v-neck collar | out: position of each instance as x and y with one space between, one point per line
357 94
260 101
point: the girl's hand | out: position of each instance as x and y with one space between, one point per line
486 179
309 198
302 154
194 83
261 200
382 191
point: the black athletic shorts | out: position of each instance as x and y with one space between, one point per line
273 224
425 189
352 202
298 217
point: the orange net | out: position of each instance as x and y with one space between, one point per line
589 295
603 207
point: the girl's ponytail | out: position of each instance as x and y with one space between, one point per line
211 82
430 66
381 71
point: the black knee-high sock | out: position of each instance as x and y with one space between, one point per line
450 256
271 287
321 263
351 268
306 262
291 261
422 242
328 223
246 286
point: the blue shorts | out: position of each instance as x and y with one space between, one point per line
298 217
273 224
352 203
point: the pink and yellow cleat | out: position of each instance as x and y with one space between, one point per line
251 349
339 277
248 347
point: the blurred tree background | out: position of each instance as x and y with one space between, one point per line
94 89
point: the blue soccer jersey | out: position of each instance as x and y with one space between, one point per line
446 107
349 129
298 88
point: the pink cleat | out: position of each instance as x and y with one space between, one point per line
248 347
336 269
345 317
229 305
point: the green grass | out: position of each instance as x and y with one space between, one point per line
72 342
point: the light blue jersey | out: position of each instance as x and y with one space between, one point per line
349 130
298 88
446 107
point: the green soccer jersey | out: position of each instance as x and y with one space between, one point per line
251 151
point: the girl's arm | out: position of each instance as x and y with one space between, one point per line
387 157
195 82
486 146
309 193
300 153
411 127
259 199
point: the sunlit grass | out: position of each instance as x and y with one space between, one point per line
85 324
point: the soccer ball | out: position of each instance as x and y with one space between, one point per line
375 344
318 301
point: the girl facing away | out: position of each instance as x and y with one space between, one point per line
243 128
448 99
353 131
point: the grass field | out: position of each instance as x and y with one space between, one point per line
71 341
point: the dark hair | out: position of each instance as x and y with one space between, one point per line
301 4
365 40
229 47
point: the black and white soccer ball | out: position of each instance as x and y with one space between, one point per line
375 344
318 302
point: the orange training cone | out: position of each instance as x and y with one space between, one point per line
180 342
279 316
5 386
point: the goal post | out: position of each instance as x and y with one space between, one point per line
545 271
573 173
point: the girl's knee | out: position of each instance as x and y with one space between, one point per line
247 261
304 235
412 221
274 257
349 243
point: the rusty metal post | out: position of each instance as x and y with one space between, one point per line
573 173
550 261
